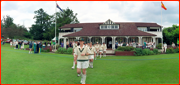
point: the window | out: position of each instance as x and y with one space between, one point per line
105 26
142 29
102 26
112 26
116 26
108 27
77 29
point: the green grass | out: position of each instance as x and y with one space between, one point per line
19 67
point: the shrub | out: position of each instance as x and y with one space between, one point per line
151 52
170 50
61 50
58 46
176 50
42 50
125 48
48 50
146 52
159 46
138 52
155 51
69 51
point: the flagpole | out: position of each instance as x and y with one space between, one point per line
161 27
55 24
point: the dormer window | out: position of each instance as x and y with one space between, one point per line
109 25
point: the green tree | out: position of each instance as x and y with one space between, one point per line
42 23
65 17
170 34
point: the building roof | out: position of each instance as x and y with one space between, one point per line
125 29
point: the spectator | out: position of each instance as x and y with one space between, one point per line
22 46
139 44
119 44
173 45
62 44
11 44
50 43
116 44
154 45
35 47
53 44
40 47
134 44
45 43
127 44
67 44
16 44
145 44
165 47
30 47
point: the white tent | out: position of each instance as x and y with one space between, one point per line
54 38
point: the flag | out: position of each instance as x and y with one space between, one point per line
162 5
59 7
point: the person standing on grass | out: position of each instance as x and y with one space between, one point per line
173 45
100 50
97 49
11 44
82 53
92 55
35 47
104 49
16 44
40 47
30 47
19 45
165 47
22 46
74 47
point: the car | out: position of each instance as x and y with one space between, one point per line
26 42
8 40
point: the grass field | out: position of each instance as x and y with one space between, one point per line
19 67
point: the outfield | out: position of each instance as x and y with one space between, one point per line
19 67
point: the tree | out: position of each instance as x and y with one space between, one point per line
171 34
66 17
7 21
42 23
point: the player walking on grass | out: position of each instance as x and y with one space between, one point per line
74 46
91 55
97 49
104 47
100 50
82 53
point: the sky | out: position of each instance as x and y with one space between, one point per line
96 11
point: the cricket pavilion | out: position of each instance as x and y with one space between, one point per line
110 31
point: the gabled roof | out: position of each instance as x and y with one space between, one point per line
125 29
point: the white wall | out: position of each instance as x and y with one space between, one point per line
159 34
62 34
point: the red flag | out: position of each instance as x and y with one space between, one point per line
162 5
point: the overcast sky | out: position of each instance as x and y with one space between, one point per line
96 11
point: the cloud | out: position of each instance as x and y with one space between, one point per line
96 11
